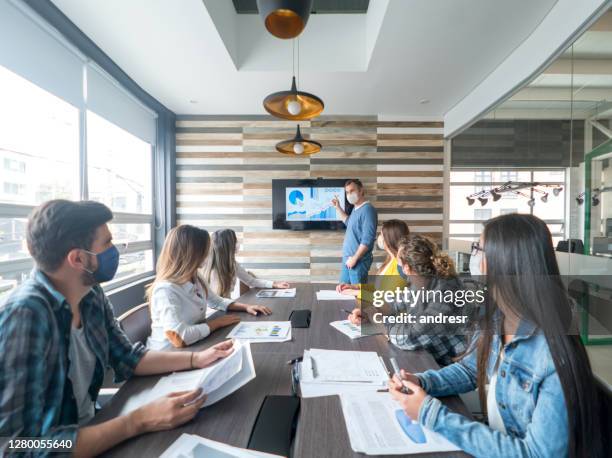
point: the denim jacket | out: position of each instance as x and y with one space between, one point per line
529 396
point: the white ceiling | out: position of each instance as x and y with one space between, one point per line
194 50
577 89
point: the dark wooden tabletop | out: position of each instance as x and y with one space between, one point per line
321 430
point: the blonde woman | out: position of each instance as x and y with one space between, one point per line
221 268
179 298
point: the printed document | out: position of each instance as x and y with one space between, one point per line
373 427
353 331
217 381
262 331
333 295
192 446
276 293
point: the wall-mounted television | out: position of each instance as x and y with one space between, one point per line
302 205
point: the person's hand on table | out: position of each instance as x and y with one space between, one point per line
222 321
281 285
167 412
410 403
257 309
345 286
351 262
206 357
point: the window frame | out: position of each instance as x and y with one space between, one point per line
517 170
11 210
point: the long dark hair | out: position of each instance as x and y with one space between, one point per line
222 261
523 278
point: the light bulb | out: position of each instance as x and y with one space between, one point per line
298 148
294 107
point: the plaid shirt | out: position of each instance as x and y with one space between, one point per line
443 341
36 396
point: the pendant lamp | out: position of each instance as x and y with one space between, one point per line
285 18
298 145
294 105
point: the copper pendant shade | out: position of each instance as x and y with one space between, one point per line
298 145
278 104
285 18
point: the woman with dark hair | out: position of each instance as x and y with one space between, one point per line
179 298
391 234
542 399
221 268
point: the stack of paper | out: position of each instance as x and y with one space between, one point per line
262 331
330 372
377 425
283 293
217 381
333 295
347 328
192 446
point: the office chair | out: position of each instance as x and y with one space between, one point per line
136 323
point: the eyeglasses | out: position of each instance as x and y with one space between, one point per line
476 248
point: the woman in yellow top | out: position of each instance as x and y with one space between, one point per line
391 233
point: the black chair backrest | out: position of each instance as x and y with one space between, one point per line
136 323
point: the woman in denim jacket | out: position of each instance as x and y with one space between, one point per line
542 400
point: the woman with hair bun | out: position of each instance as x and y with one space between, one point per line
431 271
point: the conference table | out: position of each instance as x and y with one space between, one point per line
321 430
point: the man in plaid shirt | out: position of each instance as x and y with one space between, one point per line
73 250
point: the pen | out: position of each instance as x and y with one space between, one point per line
295 360
347 311
396 372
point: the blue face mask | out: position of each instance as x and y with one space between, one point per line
108 263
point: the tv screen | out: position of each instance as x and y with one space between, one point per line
307 204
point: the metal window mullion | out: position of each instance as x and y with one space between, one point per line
83 177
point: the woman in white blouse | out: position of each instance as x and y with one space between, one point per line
179 298
221 268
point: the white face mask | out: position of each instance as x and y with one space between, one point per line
352 197
475 261
380 242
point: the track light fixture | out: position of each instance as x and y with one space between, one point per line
512 187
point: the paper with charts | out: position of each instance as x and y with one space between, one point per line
217 381
262 331
377 425
347 328
192 446
276 293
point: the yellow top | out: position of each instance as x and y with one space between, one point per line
387 280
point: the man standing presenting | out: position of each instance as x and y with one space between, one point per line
360 234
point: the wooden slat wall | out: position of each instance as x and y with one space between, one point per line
225 166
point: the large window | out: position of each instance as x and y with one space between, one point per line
466 221
41 158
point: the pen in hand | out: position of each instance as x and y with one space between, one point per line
397 373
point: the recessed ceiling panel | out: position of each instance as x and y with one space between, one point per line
318 6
